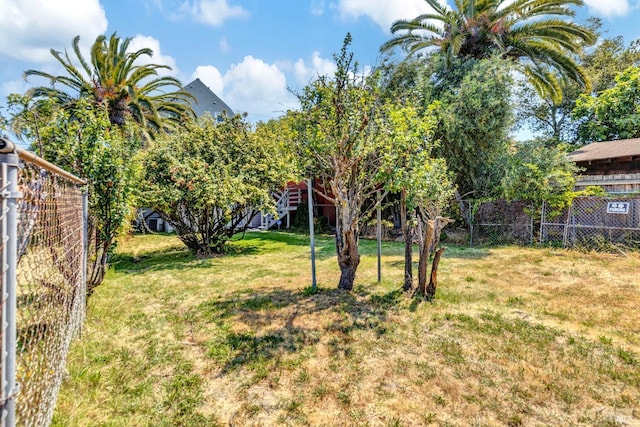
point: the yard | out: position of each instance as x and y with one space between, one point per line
516 336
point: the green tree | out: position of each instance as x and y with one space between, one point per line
552 119
532 33
341 131
543 116
607 59
424 183
115 77
613 113
536 171
78 139
210 179
474 114
475 119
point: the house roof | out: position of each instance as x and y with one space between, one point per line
207 101
607 150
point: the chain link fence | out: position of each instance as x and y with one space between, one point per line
593 223
501 222
43 282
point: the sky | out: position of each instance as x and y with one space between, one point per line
254 54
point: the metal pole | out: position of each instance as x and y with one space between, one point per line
85 253
379 235
10 196
532 210
470 224
542 237
312 242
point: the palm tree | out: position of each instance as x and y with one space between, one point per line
530 32
115 79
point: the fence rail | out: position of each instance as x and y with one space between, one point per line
43 226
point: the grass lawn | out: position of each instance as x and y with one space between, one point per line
516 337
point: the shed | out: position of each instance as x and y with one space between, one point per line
612 165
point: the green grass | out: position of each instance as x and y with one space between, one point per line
515 336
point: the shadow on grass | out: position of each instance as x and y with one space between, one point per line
265 241
466 252
161 259
177 257
273 330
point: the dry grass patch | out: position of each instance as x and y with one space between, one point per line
516 336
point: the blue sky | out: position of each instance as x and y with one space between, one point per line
250 52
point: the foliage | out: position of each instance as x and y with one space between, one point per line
546 117
424 183
608 58
536 172
592 190
475 119
474 112
554 120
210 179
341 133
530 32
300 221
613 113
408 158
116 78
79 139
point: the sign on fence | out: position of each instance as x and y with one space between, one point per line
618 207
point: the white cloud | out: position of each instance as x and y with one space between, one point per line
251 86
317 7
30 28
319 67
608 7
213 12
383 12
141 42
258 88
224 46
211 77
12 86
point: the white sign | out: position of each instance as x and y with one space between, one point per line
618 207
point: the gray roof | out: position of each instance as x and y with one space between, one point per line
607 150
207 101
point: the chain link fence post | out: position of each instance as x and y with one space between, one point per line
85 257
470 223
9 192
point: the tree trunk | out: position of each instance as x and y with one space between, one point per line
97 264
347 247
430 240
425 252
433 281
348 258
408 243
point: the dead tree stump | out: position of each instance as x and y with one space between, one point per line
433 281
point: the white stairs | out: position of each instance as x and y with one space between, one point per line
286 202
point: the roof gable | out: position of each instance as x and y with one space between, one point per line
207 101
